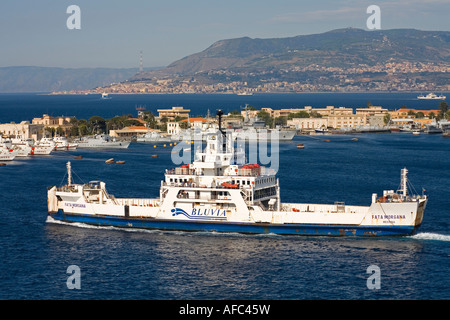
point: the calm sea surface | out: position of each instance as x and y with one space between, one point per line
135 264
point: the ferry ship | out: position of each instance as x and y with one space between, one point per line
215 194
431 96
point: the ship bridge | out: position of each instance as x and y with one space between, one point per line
217 171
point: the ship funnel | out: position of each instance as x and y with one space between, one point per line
219 115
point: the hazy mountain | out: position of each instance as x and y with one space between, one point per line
46 79
338 48
306 59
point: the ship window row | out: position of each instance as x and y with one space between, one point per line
215 195
267 180
179 180
241 182
263 193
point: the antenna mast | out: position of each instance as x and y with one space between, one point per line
69 174
141 63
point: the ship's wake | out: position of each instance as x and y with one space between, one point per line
431 236
419 236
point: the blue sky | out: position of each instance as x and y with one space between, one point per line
34 32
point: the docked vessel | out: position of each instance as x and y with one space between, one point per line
11 149
45 146
431 96
62 144
433 129
152 137
7 154
214 193
252 134
101 141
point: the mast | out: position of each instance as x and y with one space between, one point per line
224 136
404 182
69 174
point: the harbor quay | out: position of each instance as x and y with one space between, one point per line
176 123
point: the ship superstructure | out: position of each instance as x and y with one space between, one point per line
217 193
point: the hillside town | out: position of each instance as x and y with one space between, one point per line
390 77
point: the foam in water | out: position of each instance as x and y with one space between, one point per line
419 236
431 236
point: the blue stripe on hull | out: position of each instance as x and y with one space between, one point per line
251 228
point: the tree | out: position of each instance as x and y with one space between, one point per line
280 121
387 118
265 116
83 129
184 125
150 118
447 115
74 131
420 115
235 114
443 108
411 113
300 114
97 124
60 131
164 120
315 114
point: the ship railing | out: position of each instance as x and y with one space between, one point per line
137 202
67 188
398 198
338 207
201 197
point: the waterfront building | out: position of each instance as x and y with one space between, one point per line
54 122
337 121
171 114
308 124
173 128
410 113
372 110
129 131
24 130
330 110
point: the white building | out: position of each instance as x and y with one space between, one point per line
23 130
173 128
308 123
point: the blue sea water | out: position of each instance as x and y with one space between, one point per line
19 107
136 264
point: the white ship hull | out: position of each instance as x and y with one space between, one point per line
106 145
265 135
68 147
41 150
7 155
153 137
103 142
376 220
431 96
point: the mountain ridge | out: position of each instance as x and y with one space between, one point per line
17 79
340 47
